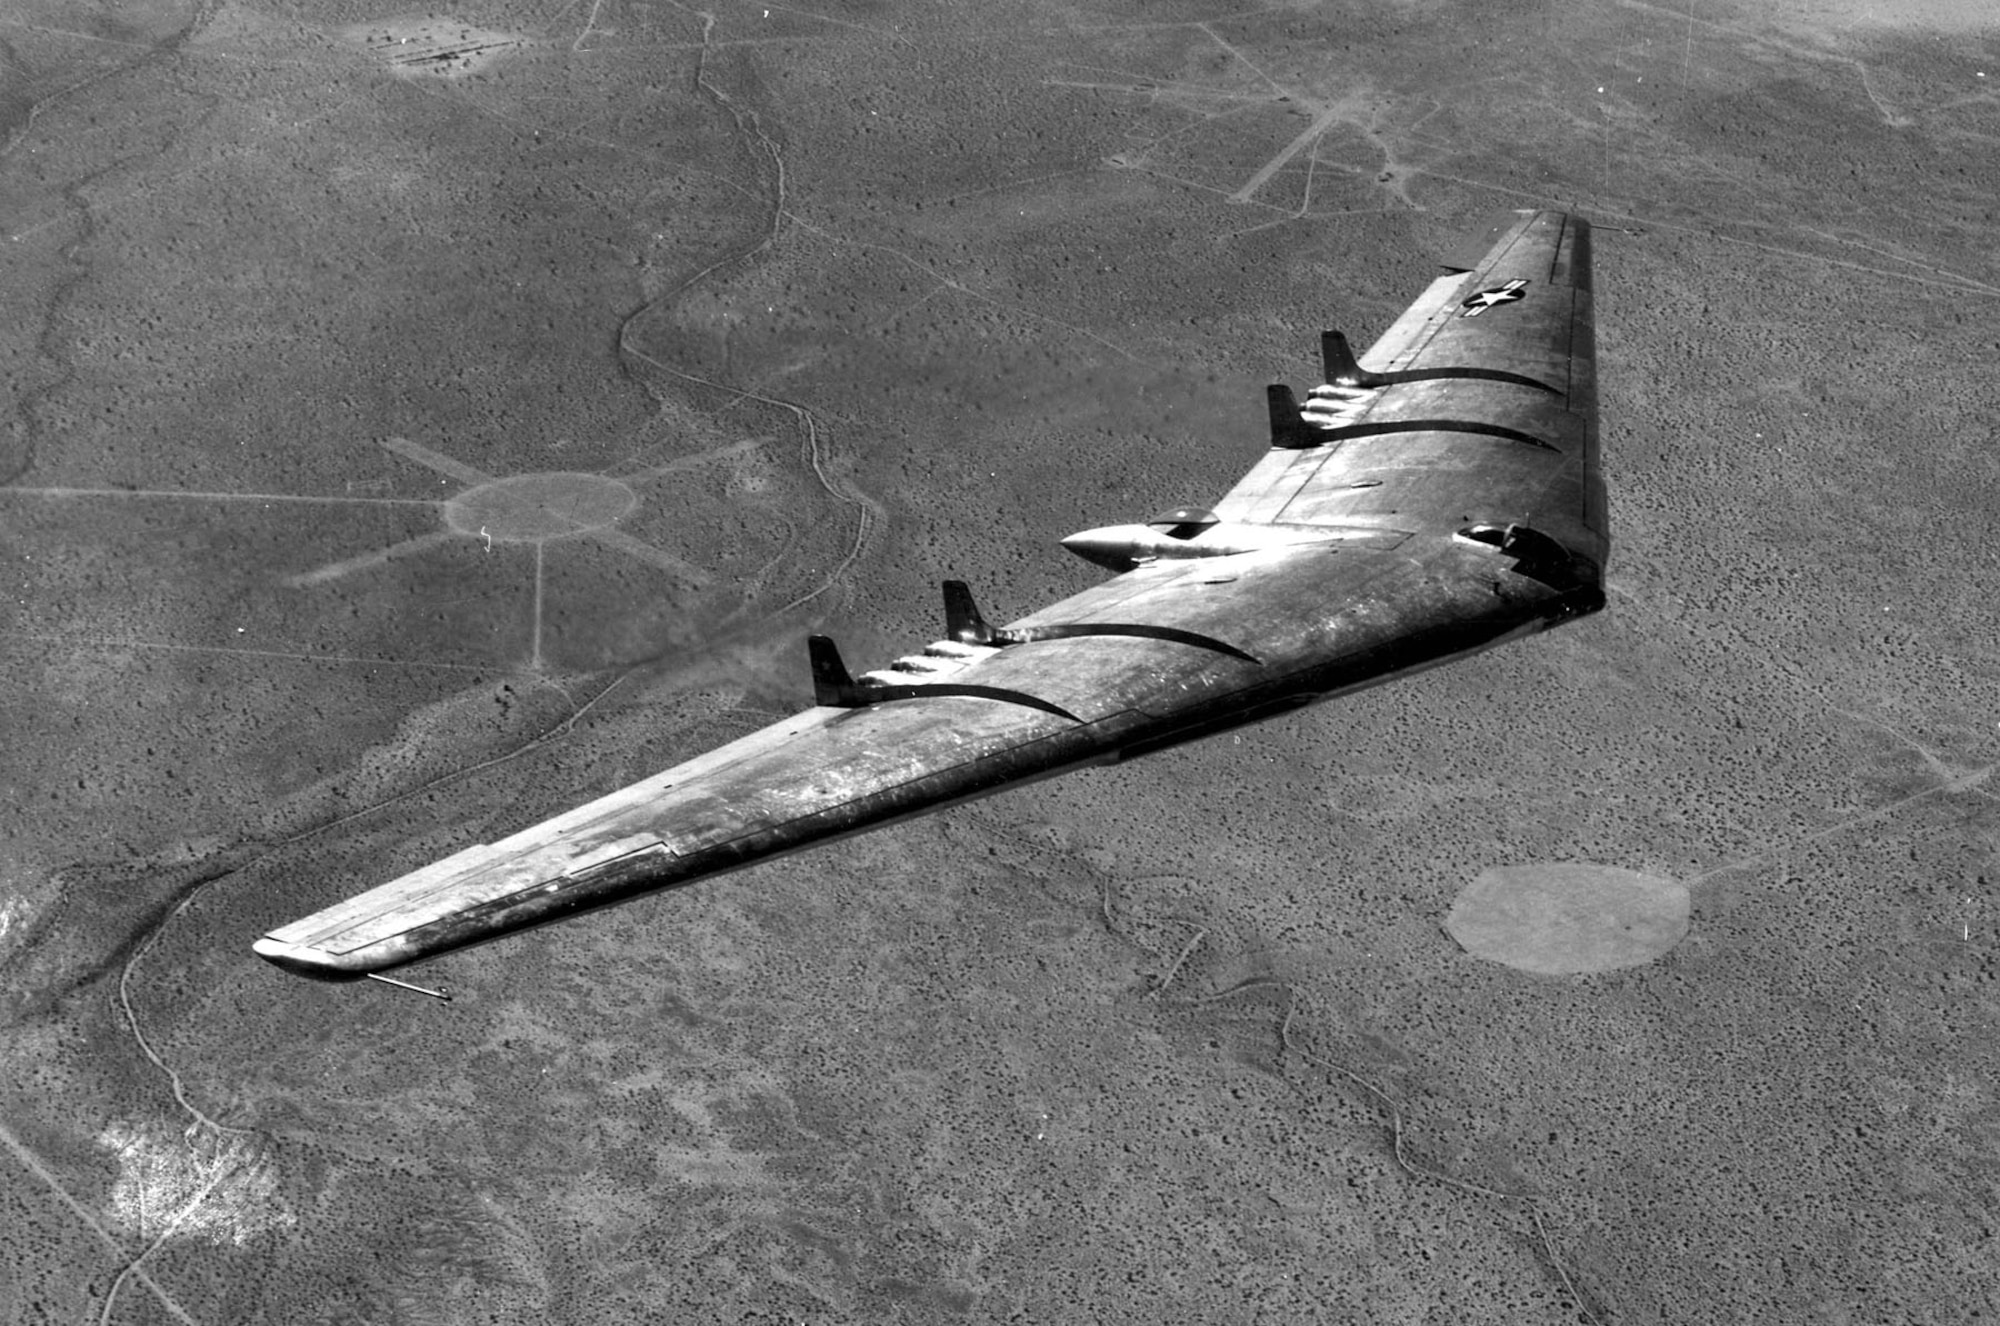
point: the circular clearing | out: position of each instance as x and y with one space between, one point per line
529 508
1561 918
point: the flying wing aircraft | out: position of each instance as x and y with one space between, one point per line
1438 496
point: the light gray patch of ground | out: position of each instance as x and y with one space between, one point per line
528 507
1566 918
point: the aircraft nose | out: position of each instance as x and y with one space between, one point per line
1110 547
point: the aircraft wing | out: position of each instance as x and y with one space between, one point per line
1481 400
1436 497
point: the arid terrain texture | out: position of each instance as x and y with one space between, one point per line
416 422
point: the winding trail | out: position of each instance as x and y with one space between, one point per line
134 1268
1538 1207
869 512
202 1119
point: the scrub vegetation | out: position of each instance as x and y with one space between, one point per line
416 424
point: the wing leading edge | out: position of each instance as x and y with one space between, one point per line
1437 496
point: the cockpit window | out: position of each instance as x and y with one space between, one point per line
1494 536
1182 522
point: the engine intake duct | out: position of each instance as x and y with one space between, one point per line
1540 557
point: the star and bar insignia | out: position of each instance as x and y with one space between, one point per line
1486 299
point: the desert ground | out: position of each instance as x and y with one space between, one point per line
417 422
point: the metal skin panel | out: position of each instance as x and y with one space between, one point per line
1499 536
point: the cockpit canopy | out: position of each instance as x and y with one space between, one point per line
1183 522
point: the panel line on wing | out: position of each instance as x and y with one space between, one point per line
1384 427
1139 630
969 629
836 687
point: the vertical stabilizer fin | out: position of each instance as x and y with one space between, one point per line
962 619
1288 422
1342 369
833 685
